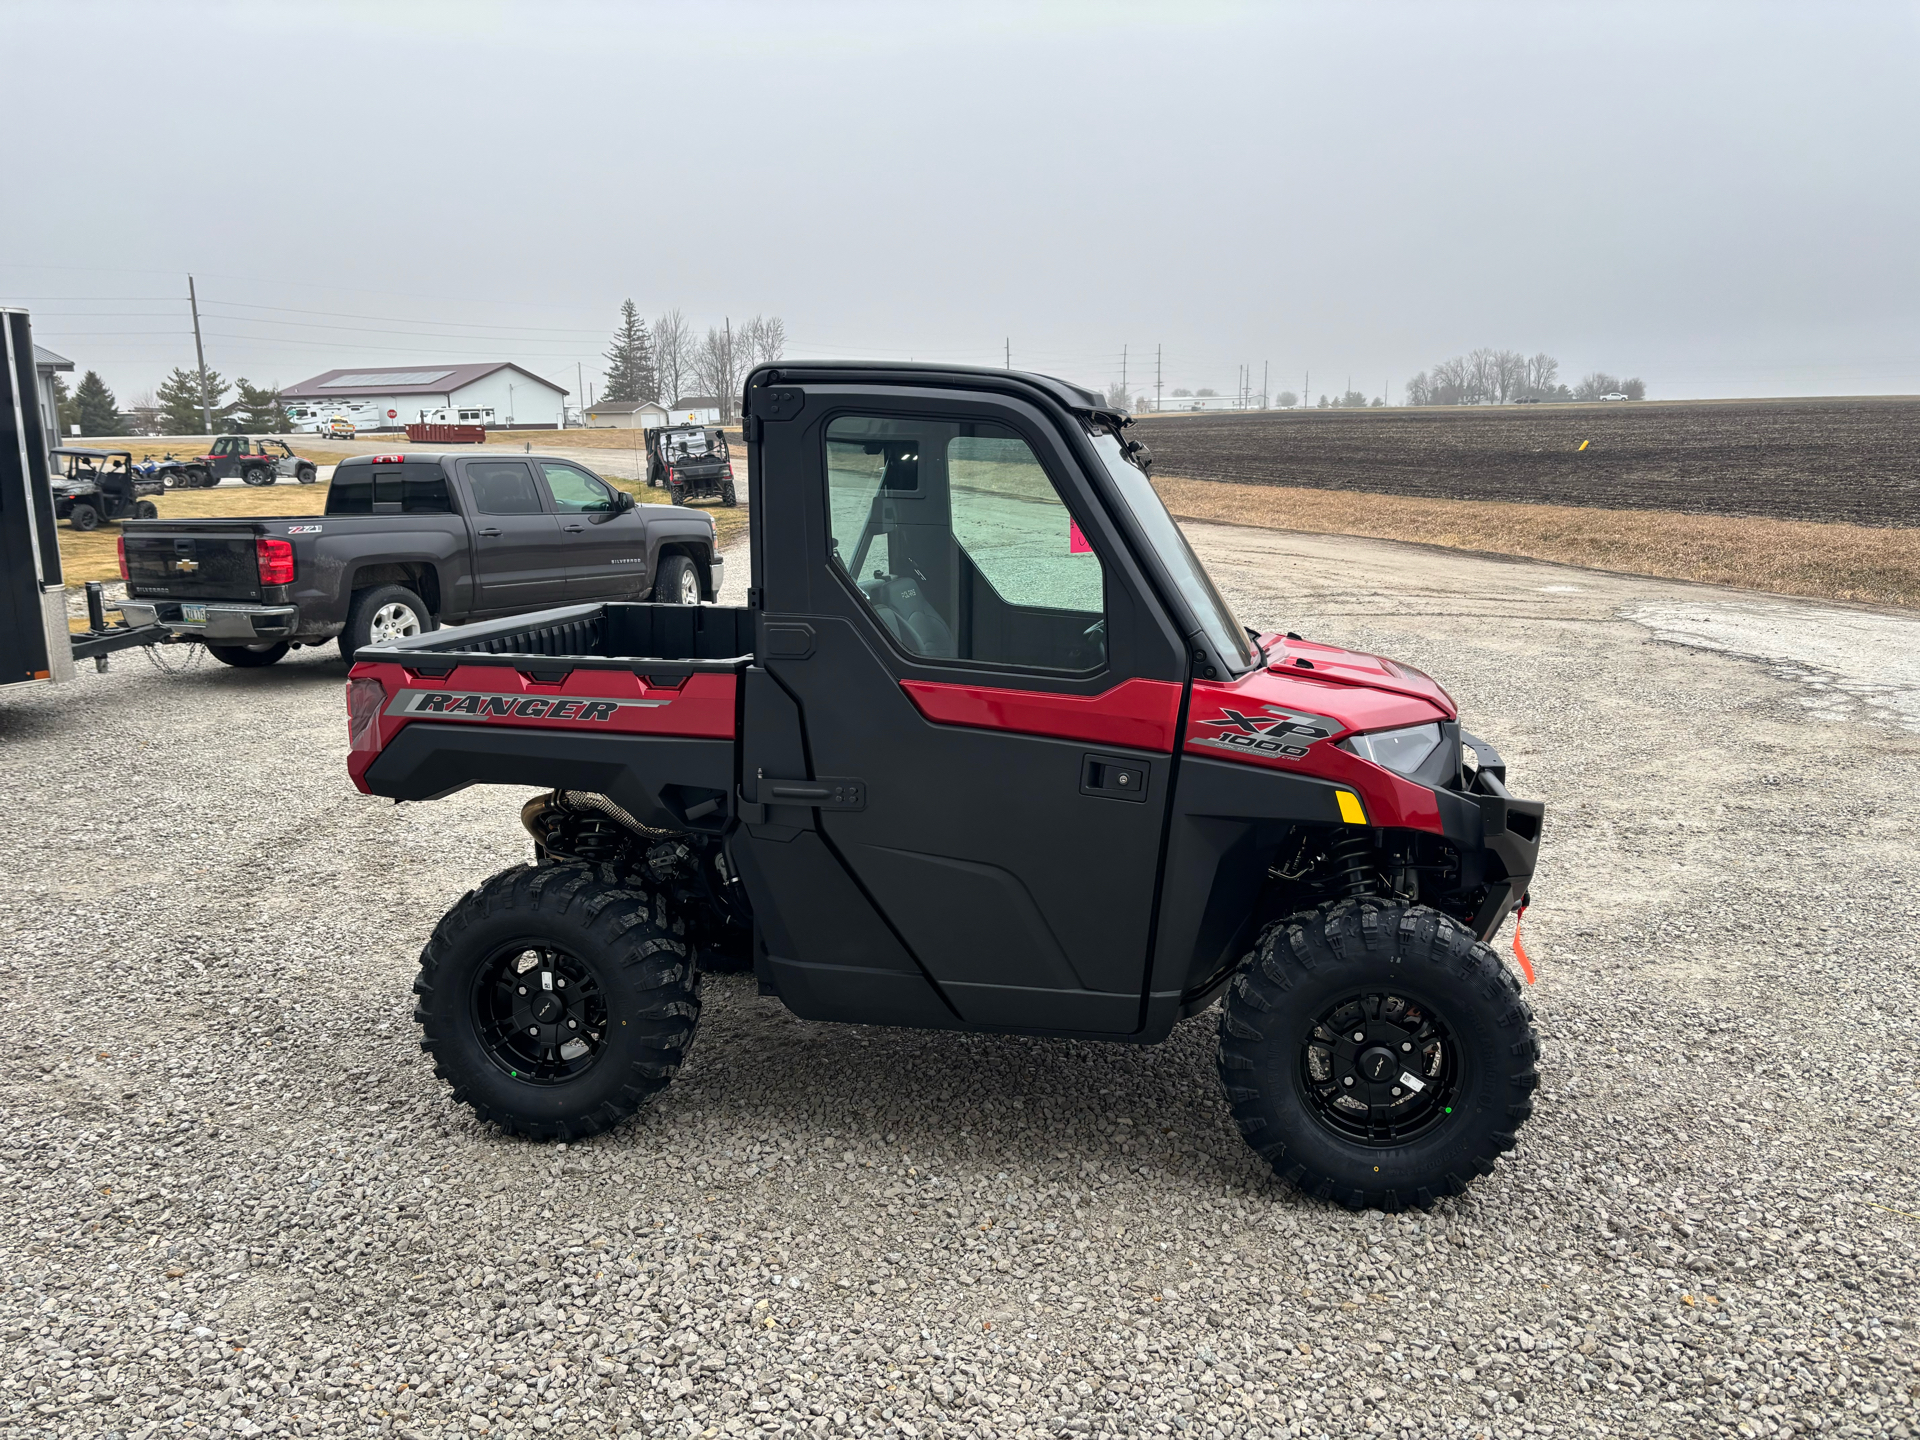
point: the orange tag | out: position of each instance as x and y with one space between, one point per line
1527 966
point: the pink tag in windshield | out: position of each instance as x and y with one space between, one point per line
1076 542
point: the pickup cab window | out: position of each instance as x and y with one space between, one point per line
503 487
415 488
574 490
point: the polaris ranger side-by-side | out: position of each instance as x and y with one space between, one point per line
985 750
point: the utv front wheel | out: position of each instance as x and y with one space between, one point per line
556 999
1376 1054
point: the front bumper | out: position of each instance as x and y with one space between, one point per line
1508 840
238 622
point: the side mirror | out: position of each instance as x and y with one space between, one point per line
624 500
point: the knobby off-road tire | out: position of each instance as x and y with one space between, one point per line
622 947
1436 1000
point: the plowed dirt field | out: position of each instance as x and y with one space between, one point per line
1849 460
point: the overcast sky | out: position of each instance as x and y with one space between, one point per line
1719 198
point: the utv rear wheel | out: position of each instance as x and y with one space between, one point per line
556 999
145 510
727 496
1376 1054
248 657
258 475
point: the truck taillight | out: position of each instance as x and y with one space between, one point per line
120 547
365 696
275 560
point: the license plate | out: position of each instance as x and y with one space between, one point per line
194 613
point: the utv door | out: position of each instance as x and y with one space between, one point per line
985 701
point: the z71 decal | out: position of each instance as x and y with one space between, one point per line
489 705
1278 732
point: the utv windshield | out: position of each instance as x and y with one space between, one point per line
685 442
1183 566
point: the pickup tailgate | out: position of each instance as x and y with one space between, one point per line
211 560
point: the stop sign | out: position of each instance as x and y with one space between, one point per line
392 414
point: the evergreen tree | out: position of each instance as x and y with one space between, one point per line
95 408
258 409
66 414
630 364
179 397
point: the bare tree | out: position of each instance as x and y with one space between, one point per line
1117 396
673 355
1452 383
1420 390
718 367
1596 384
1542 369
762 340
1634 388
1483 375
1510 375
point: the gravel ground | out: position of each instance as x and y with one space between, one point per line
236 1202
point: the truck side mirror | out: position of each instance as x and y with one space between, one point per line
623 500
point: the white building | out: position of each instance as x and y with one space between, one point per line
45 363
626 415
396 396
694 410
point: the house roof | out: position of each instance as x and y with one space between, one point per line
44 359
696 402
623 407
402 380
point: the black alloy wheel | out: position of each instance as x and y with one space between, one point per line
1379 1069
540 1014
258 475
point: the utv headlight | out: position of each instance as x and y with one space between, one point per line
1400 751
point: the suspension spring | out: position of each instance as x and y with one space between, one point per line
596 840
1351 856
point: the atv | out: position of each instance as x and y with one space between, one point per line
97 485
985 750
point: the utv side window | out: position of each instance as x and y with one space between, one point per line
960 544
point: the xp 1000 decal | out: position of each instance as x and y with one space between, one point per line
1274 732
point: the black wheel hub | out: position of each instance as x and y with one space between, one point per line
540 1014
1380 1068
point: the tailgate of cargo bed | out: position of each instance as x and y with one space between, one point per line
212 560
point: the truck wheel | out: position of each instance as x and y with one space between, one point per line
83 516
1377 1054
258 475
555 999
248 657
727 491
677 582
381 614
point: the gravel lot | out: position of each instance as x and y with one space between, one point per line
236 1202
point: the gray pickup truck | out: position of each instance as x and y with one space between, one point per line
406 542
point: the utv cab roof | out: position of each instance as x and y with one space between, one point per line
1066 392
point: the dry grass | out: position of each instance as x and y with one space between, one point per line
1788 557
94 555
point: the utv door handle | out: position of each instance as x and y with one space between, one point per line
491 530
828 793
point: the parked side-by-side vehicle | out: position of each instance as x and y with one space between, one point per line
408 541
984 750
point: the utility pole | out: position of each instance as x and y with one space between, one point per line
1007 360
1306 375
1124 371
200 356
1157 378
1263 385
580 396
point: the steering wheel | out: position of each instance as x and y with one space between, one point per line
1091 649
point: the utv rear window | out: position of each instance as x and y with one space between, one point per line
415 488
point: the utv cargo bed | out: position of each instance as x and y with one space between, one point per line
617 635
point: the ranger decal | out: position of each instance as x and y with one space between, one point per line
491 705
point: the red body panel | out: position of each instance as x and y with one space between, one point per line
600 701
1141 714
1289 717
